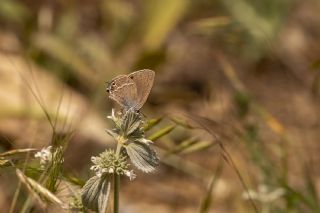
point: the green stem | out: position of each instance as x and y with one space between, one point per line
116 183
15 198
118 149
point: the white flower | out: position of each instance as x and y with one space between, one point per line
263 194
112 117
45 156
130 174
93 168
99 173
143 140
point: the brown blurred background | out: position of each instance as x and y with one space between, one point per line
246 71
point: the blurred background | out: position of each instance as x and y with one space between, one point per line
235 99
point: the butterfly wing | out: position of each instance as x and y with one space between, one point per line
143 80
124 91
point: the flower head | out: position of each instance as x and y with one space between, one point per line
45 156
108 162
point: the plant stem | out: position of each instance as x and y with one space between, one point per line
118 149
15 198
116 183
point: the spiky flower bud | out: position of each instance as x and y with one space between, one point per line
108 163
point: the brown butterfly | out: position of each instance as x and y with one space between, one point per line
131 91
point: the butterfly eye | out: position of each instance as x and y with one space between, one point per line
131 77
108 90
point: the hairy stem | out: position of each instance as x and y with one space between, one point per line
116 184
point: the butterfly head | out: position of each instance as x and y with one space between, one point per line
110 86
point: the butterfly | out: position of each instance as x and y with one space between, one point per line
131 91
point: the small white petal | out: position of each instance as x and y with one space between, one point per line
130 174
143 140
99 173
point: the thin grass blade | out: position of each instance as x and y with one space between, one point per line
162 132
151 123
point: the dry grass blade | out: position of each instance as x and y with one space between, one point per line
5 163
205 124
39 192
17 153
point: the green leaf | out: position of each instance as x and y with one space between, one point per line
142 156
90 192
131 122
162 132
104 196
95 193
